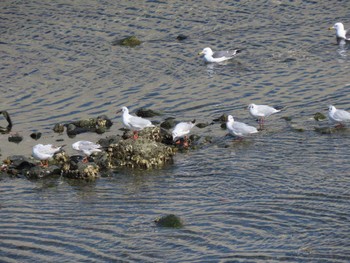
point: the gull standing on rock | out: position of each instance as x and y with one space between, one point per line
239 129
218 56
340 32
261 112
134 123
45 152
338 116
87 148
181 130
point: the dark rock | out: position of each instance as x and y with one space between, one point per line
105 142
72 130
147 113
168 123
16 138
167 137
38 172
19 162
171 221
202 125
36 135
181 37
101 130
288 60
98 125
8 128
88 123
222 118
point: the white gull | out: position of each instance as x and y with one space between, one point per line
218 56
239 129
44 152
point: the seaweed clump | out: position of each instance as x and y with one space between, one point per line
171 221
131 41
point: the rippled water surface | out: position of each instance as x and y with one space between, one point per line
282 195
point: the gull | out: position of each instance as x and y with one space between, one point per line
87 148
261 112
134 123
44 152
239 129
340 32
339 116
218 56
181 130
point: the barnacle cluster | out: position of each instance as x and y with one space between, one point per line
81 171
141 153
146 152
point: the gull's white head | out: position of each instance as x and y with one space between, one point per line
331 109
339 28
230 118
207 52
251 106
125 109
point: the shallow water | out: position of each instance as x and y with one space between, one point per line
281 195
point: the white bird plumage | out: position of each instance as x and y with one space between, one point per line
43 152
338 116
261 111
182 129
134 123
340 32
239 129
86 147
218 56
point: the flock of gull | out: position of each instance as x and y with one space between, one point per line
182 129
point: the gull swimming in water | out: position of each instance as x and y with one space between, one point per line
181 130
218 56
340 32
239 129
339 116
45 152
261 112
134 123
87 148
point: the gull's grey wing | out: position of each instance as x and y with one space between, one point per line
227 54
139 123
347 34
86 145
342 115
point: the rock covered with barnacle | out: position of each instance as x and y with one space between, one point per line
146 152
81 170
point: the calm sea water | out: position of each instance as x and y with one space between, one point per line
281 195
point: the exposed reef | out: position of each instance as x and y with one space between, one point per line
120 151
154 147
97 125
